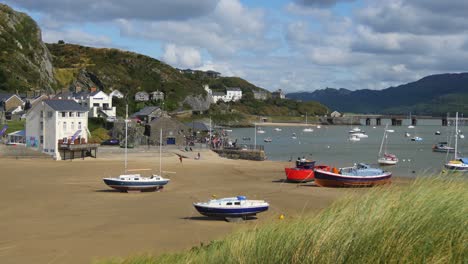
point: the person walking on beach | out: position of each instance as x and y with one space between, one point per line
180 158
198 155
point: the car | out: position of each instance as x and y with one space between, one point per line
111 142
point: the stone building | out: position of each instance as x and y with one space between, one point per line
173 131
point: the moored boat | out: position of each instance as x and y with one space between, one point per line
442 147
277 129
303 174
386 158
235 207
268 140
416 138
458 163
360 175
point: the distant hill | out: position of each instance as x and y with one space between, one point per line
431 95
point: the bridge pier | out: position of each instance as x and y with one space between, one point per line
396 122
444 122
414 121
378 121
368 121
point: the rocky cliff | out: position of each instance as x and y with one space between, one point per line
25 62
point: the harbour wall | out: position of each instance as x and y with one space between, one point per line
258 155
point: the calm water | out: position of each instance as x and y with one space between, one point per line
330 145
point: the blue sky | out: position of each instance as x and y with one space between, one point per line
296 45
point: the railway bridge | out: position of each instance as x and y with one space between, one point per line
397 120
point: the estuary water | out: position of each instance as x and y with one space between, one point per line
330 145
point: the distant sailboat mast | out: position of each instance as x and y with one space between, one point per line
126 135
456 135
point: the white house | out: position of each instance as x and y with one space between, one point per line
116 93
142 97
233 94
98 103
52 120
157 95
217 96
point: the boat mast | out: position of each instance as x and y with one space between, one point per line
255 135
383 138
160 152
456 134
126 135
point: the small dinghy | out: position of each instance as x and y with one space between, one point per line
278 129
360 175
268 140
232 207
443 147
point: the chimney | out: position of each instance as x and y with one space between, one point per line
92 89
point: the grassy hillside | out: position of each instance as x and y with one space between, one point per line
126 71
424 222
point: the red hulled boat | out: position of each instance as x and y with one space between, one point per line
304 171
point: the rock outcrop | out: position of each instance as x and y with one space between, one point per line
25 62
198 103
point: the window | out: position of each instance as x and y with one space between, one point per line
64 126
96 104
42 125
63 114
70 114
78 114
79 125
237 203
52 150
50 114
41 138
229 204
72 126
42 113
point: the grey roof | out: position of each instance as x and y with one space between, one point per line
65 105
146 111
233 89
5 96
218 94
197 126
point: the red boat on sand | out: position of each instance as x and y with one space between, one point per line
304 171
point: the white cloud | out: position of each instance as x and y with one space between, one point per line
184 57
76 36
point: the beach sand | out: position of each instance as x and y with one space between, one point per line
62 212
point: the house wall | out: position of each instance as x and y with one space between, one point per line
97 102
13 102
233 96
53 128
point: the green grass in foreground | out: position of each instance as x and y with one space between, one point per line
425 222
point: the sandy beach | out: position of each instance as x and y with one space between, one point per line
62 212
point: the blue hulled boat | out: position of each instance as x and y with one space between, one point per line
360 175
233 207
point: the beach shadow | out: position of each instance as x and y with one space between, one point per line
309 184
212 218
107 191
203 218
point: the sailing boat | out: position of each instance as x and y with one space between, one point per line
135 182
387 158
458 163
307 129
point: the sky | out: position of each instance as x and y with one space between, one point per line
295 45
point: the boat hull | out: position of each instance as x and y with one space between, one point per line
456 167
135 186
230 212
299 175
387 162
443 150
303 175
330 179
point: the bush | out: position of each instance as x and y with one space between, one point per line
100 134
